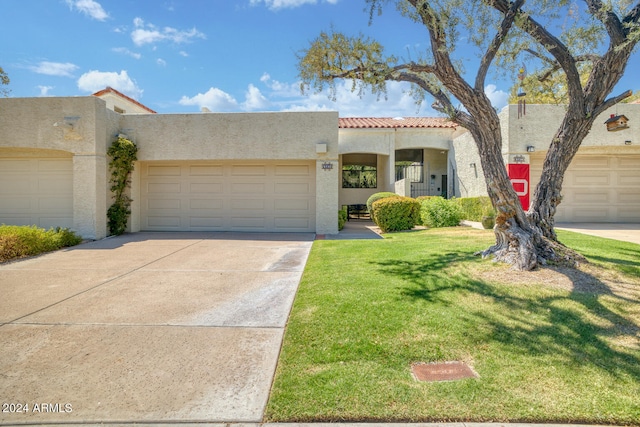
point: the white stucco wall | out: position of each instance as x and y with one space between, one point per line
469 175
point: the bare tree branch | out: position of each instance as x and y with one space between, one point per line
497 41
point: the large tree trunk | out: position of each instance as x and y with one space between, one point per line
547 195
516 242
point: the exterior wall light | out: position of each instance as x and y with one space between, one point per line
627 142
530 148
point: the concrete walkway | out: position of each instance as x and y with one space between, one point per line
616 231
147 328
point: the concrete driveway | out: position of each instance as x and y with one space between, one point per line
147 327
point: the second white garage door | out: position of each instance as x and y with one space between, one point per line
189 196
597 188
36 191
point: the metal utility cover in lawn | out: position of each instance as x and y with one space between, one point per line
442 371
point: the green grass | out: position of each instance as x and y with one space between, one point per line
366 310
21 241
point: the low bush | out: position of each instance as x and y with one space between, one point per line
474 208
20 241
342 218
377 196
440 212
396 213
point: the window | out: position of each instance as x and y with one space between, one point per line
360 171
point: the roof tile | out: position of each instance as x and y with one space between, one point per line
394 123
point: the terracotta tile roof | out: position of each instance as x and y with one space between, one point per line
393 123
122 95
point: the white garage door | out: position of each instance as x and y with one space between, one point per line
36 191
188 196
597 188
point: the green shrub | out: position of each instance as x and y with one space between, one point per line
440 212
396 213
377 196
342 218
474 208
20 241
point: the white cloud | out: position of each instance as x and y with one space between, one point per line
125 51
397 103
214 99
287 4
55 68
183 53
254 99
91 8
161 62
94 81
149 33
44 90
498 98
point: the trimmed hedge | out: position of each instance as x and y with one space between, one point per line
396 213
474 208
440 212
342 218
377 196
21 241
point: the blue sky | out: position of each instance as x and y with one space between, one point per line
181 55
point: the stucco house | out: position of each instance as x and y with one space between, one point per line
273 172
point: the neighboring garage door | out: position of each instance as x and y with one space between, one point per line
202 196
36 191
597 188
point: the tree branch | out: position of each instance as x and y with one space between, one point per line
497 41
609 20
611 102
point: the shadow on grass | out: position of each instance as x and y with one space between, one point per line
576 327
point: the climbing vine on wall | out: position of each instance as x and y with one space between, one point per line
123 154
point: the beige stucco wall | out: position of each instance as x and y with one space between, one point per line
43 124
27 128
233 136
469 175
538 126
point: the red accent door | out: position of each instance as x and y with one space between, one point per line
519 175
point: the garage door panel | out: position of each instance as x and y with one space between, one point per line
291 188
591 197
164 188
206 222
583 179
248 223
164 221
206 187
164 171
287 170
206 170
597 188
629 196
629 178
223 196
248 188
37 191
15 184
291 205
248 204
163 204
290 223
210 204
248 170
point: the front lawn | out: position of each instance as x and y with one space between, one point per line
549 345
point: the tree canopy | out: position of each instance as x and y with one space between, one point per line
589 43
4 80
